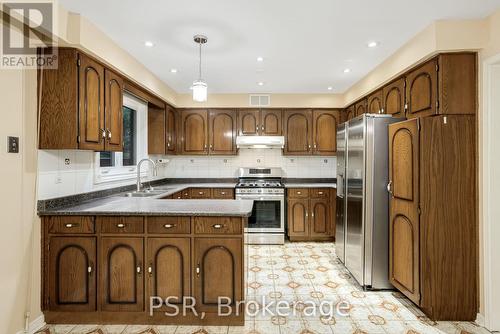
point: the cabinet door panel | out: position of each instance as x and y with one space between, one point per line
72 277
375 103
404 244
298 217
361 107
171 130
325 131
114 106
222 132
298 131
270 122
421 90
122 274
168 268
320 218
350 112
91 110
194 132
217 265
394 98
248 122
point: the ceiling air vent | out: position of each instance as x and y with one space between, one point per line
260 100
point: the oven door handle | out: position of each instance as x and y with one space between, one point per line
262 198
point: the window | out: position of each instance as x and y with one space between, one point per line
115 166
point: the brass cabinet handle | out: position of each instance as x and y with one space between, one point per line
200 192
217 226
223 192
103 133
168 144
389 187
89 269
320 192
262 127
198 270
70 225
169 225
139 268
257 128
120 225
299 192
150 269
307 214
109 133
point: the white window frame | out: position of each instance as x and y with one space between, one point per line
118 172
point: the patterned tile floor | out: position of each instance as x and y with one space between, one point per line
303 275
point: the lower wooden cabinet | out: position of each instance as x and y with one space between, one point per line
310 213
109 277
218 264
71 275
204 193
168 269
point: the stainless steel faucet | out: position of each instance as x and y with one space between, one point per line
139 171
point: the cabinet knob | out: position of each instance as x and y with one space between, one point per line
168 144
309 146
120 225
314 145
299 192
89 270
138 269
150 269
198 270
320 192
200 192
205 146
223 192
169 225
217 226
307 214
262 127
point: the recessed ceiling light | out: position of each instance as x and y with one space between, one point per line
148 44
260 59
347 70
173 70
260 83
330 88
372 44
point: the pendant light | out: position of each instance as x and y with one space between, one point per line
199 86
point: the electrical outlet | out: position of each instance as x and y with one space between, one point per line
58 179
12 144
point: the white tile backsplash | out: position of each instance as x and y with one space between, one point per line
68 172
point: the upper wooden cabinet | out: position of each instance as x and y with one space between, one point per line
194 131
255 122
297 127
394 98
444 85
375 104
361 107
222 132
171 130
156 130
350 112
310 131
81 104
208 131
325 131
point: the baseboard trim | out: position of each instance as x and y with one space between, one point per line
35 325
480 320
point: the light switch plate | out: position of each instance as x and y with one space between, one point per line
12 144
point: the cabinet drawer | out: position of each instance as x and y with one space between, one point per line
223 193
200 193
71 224
298 193
175 225
121 224
217 225
319 193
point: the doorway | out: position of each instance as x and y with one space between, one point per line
490 191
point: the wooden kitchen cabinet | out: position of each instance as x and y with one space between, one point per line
433 249
374 102
194 131
361 107
325 131
171 129
259 122
168 268
222 132
71 274
394 98
445 85
310 213
81 104
122 273
156 130
350 112
249 122
217 271
113 112
270 122
200 193
297 127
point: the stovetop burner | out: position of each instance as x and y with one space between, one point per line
259 184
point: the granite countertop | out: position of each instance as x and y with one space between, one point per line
309 185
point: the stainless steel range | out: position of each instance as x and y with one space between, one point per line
266 225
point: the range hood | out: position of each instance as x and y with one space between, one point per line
260 141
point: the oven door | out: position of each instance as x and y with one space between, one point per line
268 213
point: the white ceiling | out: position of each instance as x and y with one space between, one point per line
306 45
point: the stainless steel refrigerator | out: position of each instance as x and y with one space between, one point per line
364 229
341 199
